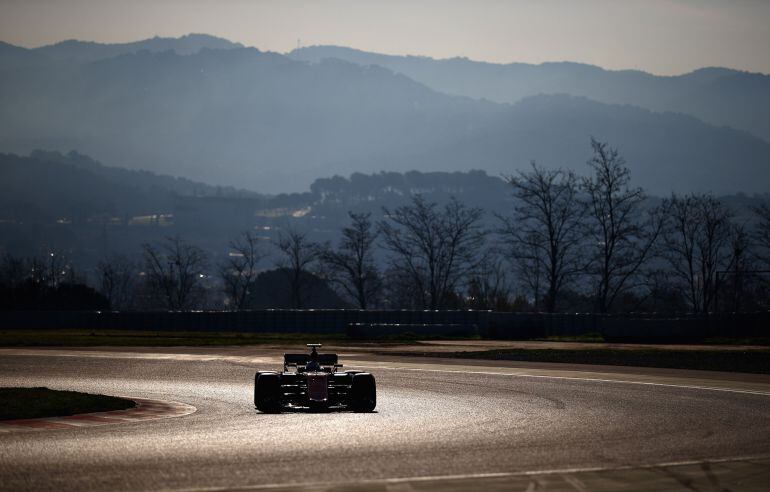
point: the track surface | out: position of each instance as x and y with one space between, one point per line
492 424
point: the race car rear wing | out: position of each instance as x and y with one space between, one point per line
301 360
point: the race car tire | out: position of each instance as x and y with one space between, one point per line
267 392
363 393
256 377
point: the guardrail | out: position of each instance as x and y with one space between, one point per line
387 330
487 324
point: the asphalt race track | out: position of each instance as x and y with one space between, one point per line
438 426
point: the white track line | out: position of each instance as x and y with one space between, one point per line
570 378
558 471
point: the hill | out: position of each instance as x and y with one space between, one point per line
49 186
266 122
83 51
241 116
665 151
716 95
139 178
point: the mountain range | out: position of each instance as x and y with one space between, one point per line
217 112
74 51
718 96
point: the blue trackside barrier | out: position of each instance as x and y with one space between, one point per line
386 330
486 324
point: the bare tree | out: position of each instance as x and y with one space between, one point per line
33 272
662 293
117 281
762 233
298 253
13 271
623 235
434 248
696 243
399 290
38 271
351 267
544 234
760 240
173 273
489 287
52 269
239 272
736 278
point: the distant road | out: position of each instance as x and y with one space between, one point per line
438 426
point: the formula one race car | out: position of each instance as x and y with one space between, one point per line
314 381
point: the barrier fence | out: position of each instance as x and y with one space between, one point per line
362 324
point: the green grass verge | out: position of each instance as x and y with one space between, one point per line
32 403
123 338
751 361
126 338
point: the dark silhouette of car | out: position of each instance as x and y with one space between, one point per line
316 382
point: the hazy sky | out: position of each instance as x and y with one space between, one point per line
660 36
